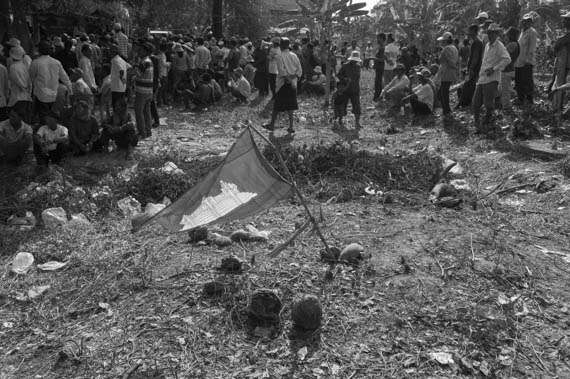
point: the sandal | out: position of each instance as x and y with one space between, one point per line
268 127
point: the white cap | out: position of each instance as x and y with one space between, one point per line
445 36
482 15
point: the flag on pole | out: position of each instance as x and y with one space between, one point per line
243 185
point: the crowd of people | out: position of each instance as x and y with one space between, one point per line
48 104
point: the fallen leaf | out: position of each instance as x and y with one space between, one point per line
52 265
37 291
302 353
442 358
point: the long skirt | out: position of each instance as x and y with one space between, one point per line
286 99
261 82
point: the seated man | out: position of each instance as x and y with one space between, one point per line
15 138
317 83
421 99
207 91
50 141
397 88
240 87
83 129
120 128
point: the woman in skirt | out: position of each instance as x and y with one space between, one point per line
289 71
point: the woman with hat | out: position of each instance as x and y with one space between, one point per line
349 79
20 84
290 70
447 73
495 59
316 85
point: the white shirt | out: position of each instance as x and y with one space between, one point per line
48 135
496 57
20 83
45 73
527 43
391 52
118 64
288 65
87 68
425 94
397 83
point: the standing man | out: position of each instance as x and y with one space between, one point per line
203 57
289 71
122 40
20 84
4 92
447 69
143 91
391 53
473 67
368 55
119 69
561 64
495 59
46 72
349 74
353 47
87 68
483 22
274 52
379 65
524 64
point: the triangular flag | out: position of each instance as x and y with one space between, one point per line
243 185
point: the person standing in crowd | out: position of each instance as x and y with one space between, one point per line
51 141
379 66
508 73
368 55
464 53
391 53
483 22
290 70
20 84
12 43
164 68
447 69
16 138
81 90
349 76
122 40
525 62
273 71
155 87
119 68
87 68
67 57
421 99
181 64
83 40
203 57
561 65
45 73
144 90
261 63
473 67
353 47
495 59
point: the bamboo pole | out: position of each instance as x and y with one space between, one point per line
292 179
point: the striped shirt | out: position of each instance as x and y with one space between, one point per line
145 76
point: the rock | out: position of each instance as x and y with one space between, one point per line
461 185
487 267
171 168
257 235
214 288
22 263
129 206
330 256
352 254
54 217
79 220
231 264
442 190
466 366
28 222
150 210
307 312
221 241
240 235
265 306
198 234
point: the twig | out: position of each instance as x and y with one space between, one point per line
131 370
284 245
515 188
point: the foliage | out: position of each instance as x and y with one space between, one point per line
508 13
244 18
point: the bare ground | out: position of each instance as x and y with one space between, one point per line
475 291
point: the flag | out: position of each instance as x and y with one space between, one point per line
243 185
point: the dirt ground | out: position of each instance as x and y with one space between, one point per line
478 290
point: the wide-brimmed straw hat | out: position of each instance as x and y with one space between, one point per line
482 15
445 36
17 53
318 70
494 27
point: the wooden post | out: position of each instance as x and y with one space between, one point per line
295 188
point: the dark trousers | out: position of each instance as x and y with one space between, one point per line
42 109
261 82
116 96
419 108
379 69
24 109
154 111
444 96
524 83
466 97
273 83
53 156
237 94
3 113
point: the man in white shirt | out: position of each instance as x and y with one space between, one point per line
241 89
119 69
422 97
20 83
396 89
45 73
495 59
391 53
50 142
87 68
526 60
203 56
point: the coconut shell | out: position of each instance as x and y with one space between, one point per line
307 312
231 264
240 235
330 256
265 306
221 241
352 253
443 190
214 288
198 234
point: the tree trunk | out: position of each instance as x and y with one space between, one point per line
4 19
217 18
